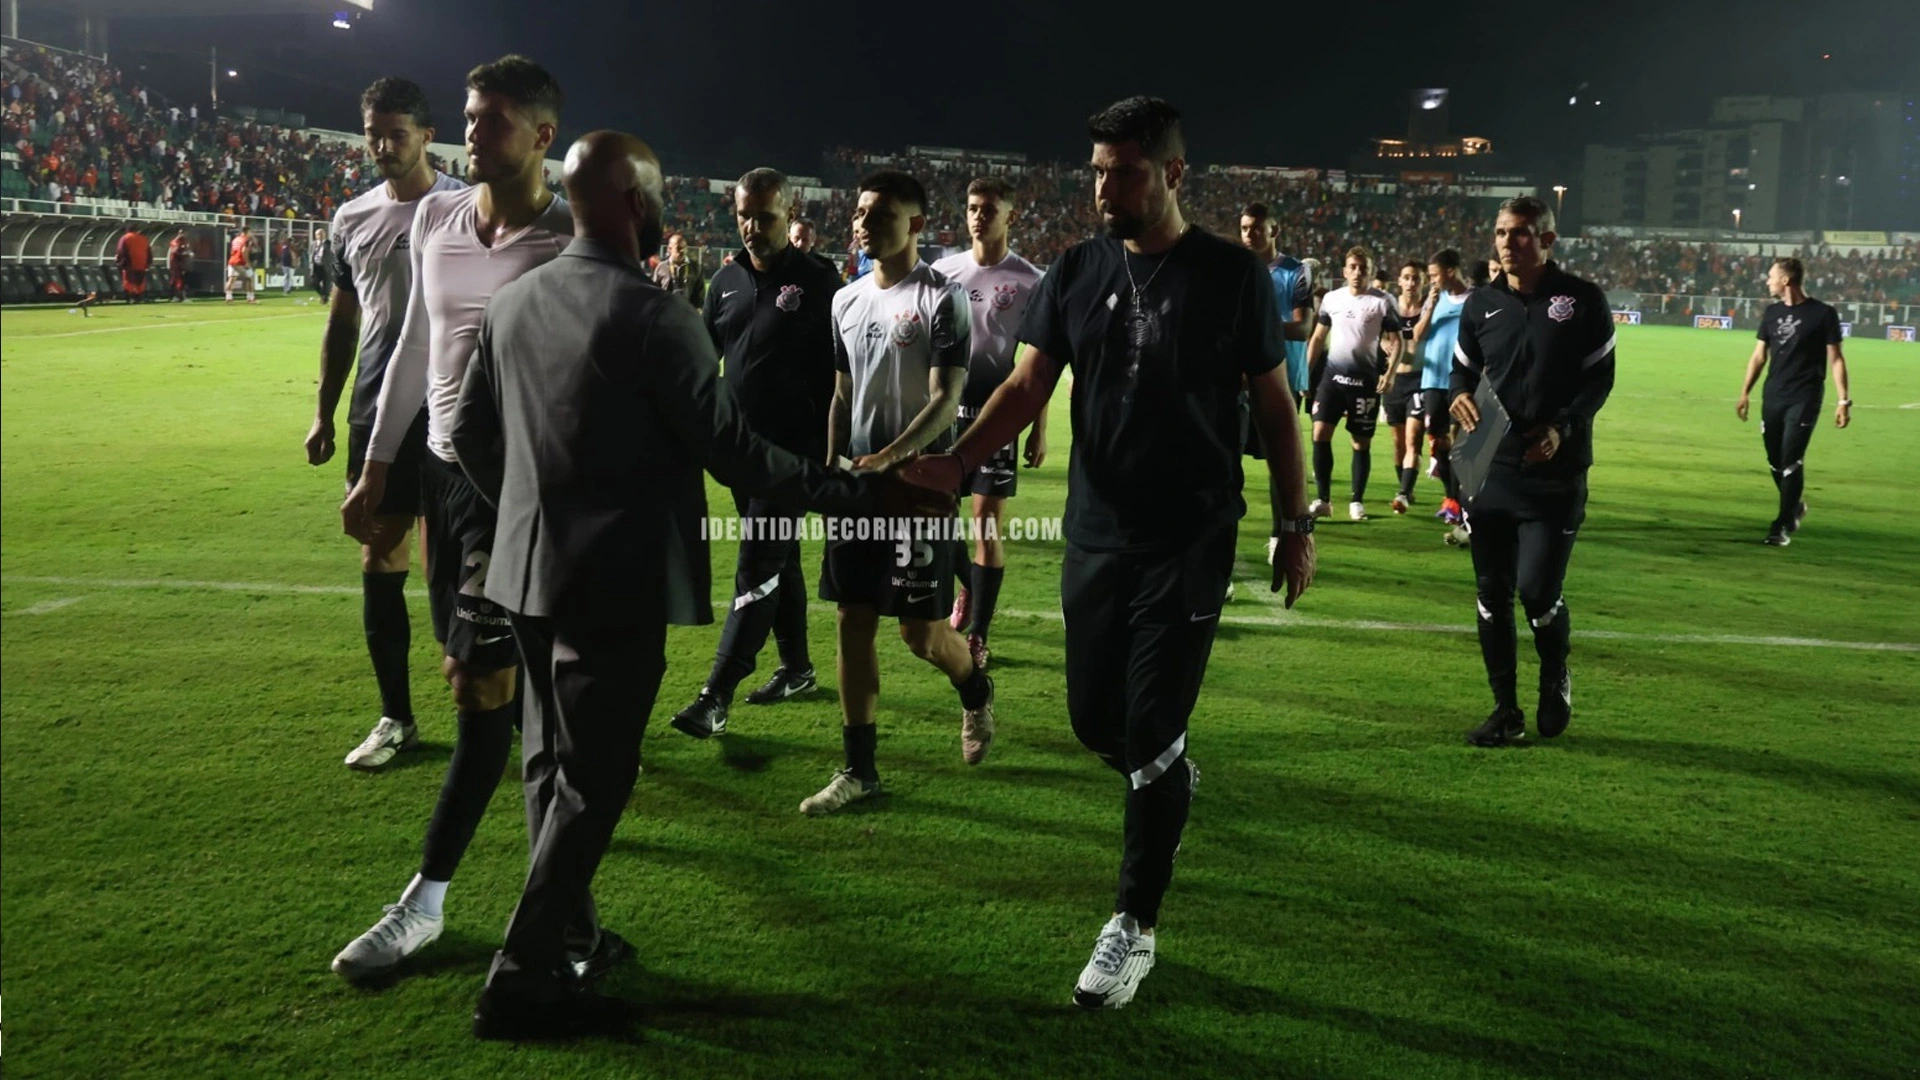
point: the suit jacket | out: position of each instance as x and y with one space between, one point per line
587 415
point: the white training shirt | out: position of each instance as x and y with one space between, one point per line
889 341
997 296
454 276
1355 323
372 258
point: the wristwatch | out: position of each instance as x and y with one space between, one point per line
1302 525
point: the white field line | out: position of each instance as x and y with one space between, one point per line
46 606
1281 618
160 326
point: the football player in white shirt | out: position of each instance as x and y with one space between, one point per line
1346 342
901 349
465 245
374 272
997 284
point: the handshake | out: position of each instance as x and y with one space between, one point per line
910 484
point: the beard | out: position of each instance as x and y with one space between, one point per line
493 172
1125 226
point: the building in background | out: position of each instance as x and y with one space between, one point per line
1764 164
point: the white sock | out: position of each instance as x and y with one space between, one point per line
429 897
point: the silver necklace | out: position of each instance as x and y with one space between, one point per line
1126 260
1143 325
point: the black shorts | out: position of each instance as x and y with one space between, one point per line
1430 408
1348 397
999 475
909 578
403 476
1399 397
460 523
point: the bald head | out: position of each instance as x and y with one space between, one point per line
615 188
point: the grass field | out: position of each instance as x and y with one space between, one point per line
1714 874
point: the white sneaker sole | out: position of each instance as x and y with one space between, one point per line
378 758
354 969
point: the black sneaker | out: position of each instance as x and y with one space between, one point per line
1777 537
703 719
1556 706
570 1012
782 686
608 953
1503 727
1799 515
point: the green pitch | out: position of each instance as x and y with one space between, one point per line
1714 873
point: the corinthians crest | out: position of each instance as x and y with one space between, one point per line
1003 296
789 298
1560 308
906 328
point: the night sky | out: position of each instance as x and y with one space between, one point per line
718 87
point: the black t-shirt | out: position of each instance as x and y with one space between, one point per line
775 334
1156 422
1797 336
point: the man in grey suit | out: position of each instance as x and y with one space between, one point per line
587 416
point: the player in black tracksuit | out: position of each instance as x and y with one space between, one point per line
1805 338
1544 339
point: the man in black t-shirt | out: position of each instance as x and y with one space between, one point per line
770 314
1159 323
1804 337
1544 340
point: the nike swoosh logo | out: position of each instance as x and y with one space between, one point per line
1568 532
728 293
493 640
1204 618
919 599
1490 314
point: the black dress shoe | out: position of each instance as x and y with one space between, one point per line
1504 727
607 954
703 719
570 1011
784 684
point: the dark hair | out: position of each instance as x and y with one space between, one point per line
1448 259
897 186
520 81
1259 211
1796 270
762 180
799 221
1418 267
399 97
1148 121
1477 272
1532 208
991 187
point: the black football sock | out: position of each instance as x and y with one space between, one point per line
1362 467
858 743
383 611
1323 470
975 689
986 597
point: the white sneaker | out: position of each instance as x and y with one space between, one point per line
976 731
1357 511
1319 508
841 790
1458 536
1122 956
404 930
387 738
1228 599
1433 467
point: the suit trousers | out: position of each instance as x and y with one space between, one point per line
590 687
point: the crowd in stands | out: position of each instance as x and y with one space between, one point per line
1675 268
82 130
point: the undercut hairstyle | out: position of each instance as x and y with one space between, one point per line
898 186
1148 121
1448 259
1532 208
398 97
520 81
762 180
1358 252
1796 270
1258 211
991 187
